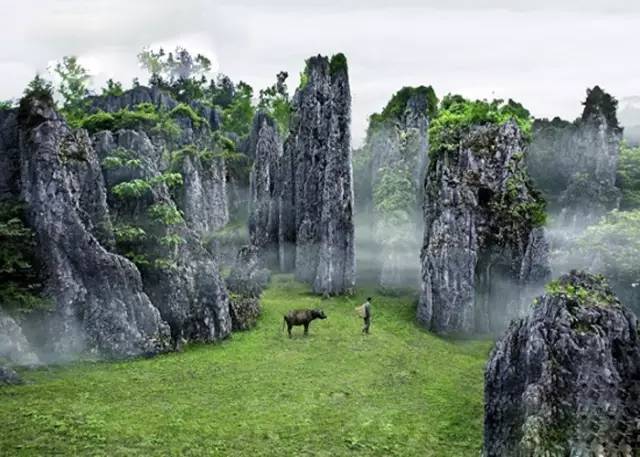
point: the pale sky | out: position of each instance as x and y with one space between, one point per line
542 53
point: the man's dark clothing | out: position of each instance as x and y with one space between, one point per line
367 317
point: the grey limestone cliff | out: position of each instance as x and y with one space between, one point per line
565 381
99 302
484 249
318 152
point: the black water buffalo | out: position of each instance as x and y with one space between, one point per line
302 317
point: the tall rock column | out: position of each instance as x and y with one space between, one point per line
264 208
483 246
575 163
396 147
318 156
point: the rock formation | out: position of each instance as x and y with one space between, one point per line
246 282
318 153
9 376
264 209
153 95
14 350
483 246
566 380
100 305
202 197
118 219
575 164
396 152
14 346
302 197
179 275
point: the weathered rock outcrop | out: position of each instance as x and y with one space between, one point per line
483 248
14 347
302 194
266 148
316 179
154 95
203 195
9 376
565 381
575 163
179 275
100 305
396 147
246 282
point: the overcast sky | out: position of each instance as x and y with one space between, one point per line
543 53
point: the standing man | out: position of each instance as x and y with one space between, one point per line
366 315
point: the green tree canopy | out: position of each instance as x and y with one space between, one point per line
73 87
628 179
275 101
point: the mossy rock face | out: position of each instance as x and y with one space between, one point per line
483 225
558 382
583 289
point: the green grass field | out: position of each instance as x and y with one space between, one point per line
397 392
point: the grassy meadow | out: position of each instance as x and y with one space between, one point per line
399 391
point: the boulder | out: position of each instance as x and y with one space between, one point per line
246 282
9 376
565 380
14 347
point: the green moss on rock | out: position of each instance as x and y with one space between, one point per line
457 116
583 289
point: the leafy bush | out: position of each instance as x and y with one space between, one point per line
171 241
144 116
337 63
98 121
628 179
184 110
398 103
177 157
6 104
615 241
131 189
238 115
395 194
304 79
128 233
599 102
118 159
38 89
166 213
169 179
113 89
275 101
20 287
574 292
73 87
457 116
